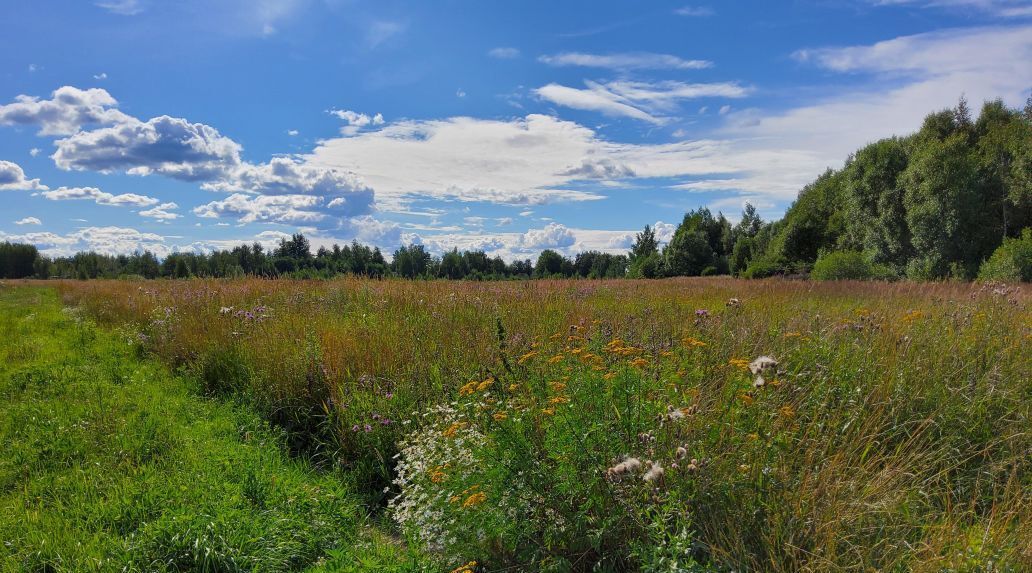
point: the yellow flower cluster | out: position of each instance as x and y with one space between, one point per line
620 348
467 568
739 363
912 316
437 474
476 386
639 362
500 416
453 429
475 499
692 342
527 356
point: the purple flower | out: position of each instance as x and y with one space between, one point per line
368 428
386 421
701 313
354 428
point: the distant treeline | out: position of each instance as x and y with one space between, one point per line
953 200
294 258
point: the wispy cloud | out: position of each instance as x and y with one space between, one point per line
382 31
503 53
646 101
625 61
694 11
122 7
997 8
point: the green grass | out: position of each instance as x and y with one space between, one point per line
892 435
112 463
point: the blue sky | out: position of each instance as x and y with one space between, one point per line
509 127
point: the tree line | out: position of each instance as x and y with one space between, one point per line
953 200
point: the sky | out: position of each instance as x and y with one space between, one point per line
511 127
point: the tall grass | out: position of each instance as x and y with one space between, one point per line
893 434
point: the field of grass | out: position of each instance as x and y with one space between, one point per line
547 425
110 463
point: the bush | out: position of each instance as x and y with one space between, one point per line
1012 261
764 267
847 265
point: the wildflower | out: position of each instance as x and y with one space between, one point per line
739 363
692 342
787 412
681 452
733 302
548 411
526 357
792 335
609 376
468 388
500 416
556 358
475 499
453 429
746 399
368 428
560 400
485 384
701 313
514 387
674 414
558 386
226 310
467 568
912 316
762 364
628 465
639 363
655 472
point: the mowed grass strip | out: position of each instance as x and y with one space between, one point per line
111 463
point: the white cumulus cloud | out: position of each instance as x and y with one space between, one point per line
12 178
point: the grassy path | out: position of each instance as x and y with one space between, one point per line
112 463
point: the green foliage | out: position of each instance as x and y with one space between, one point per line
944 214
848 265
875 214
1011 262
549 264
112 464
17 260
699 243
932 205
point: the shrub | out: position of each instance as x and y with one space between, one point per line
847 265
764 267
1012 261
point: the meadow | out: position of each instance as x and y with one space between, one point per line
705 424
